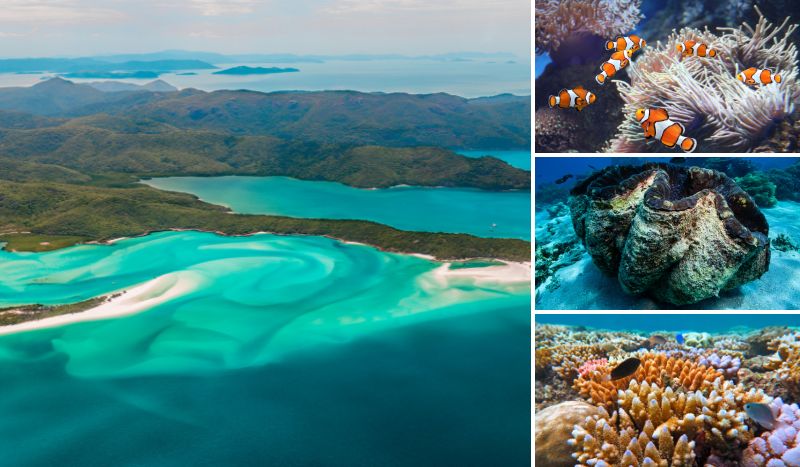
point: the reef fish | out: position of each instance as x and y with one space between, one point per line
679 338
689 48
656 124
618 61
626 368
761 413
754 76
653 341
563 179
621 43
577 98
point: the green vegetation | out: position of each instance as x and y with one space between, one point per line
101 144
36 242
20 314
98 213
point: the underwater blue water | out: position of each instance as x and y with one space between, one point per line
549 169
716 323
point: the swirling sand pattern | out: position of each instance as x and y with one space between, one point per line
232 302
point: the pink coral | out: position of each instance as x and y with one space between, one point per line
781 446
592 365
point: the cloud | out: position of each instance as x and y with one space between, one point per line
54 11
389 6
224 7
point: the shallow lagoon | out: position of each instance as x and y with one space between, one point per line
455 210
275 351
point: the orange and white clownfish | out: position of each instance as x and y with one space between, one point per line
689 48
656 124
618 61
754 76
577 98
621 43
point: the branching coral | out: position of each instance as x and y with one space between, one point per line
656 368
703 93
680 234
560 20
786 360
658 426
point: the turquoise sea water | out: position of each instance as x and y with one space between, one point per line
458 210
519 159
716 323
264 350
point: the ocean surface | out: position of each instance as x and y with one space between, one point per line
264 350
519 159
473 78
458 210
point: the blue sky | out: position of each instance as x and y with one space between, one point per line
88 27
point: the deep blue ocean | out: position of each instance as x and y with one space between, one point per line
650 322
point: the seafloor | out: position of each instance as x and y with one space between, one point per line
714 399
573 282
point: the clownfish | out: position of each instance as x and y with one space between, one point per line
690 48
656 123
618 61
621 43
577 98
753 76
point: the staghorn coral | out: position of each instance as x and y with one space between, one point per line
680 234
653 425
559 21
703 94
656 368
779 447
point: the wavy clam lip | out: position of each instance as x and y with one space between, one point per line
681 234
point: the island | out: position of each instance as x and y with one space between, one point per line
113 74
254 70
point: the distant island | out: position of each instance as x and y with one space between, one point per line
113 74
254 70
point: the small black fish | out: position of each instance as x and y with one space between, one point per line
761 414
563 179
592 167
677 160
626 368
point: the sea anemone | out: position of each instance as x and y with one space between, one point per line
703 94
558 21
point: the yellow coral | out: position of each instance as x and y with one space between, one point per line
653 425
656 368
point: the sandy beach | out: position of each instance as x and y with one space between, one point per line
125 302
508 273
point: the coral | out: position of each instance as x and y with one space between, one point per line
656 368
560 21
653 425
758 186
779 447
730 166
553 429
701 93
784 243
727 365
556 131
697 339
787 181
680 234
786 361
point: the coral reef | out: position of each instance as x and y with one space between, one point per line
787 181
680 234
702 94
730 166
655 425
786 362
655 368
725 364
557 131
779 447
784 243
559 23
554 428
758 186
